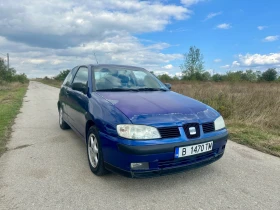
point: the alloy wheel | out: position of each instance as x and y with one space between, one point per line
93 150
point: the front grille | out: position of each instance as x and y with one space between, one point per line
208 127
169 132
187 130
187 161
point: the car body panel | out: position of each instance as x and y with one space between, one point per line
152 107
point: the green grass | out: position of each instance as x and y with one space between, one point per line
265 140
11 97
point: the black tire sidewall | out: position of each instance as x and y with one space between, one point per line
99 170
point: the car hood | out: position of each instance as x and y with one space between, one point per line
159 107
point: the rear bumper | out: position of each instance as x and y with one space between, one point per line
161 158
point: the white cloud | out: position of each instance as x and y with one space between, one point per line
271 59
179 74
212 15
225 66
190 2
217 60
224 26
235 64
271 38
115 50
36 61
169 66
63 34
261 27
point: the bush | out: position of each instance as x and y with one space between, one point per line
10 75
62 75
269 75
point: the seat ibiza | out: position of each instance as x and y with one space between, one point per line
134 125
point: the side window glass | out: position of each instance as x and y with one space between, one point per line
69 77
81 76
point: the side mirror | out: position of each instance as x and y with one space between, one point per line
80 87
168 85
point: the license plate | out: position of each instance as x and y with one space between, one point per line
193 150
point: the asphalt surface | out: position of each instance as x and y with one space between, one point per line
46 168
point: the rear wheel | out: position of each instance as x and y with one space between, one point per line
94 152
63 125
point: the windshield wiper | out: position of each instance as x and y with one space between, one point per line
118 89
151 89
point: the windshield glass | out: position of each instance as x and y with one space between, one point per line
125 78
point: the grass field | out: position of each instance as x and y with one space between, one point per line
251 110
11 97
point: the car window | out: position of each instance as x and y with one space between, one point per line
81 76
125 78
69 77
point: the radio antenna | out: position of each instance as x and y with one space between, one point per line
95 58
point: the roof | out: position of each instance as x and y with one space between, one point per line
114 65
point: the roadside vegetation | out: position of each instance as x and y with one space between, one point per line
251 110
13 87
55 81
248 100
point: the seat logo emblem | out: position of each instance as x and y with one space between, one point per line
192 130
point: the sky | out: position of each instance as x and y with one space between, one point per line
44 37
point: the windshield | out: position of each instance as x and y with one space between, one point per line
125 79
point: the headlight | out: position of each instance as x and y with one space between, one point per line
137 132
219 123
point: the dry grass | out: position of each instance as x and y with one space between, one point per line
251 110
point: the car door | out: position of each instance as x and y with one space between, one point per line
64 100
78 102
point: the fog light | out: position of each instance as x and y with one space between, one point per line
139 166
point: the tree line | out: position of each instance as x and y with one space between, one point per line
193 70
60 77
10 75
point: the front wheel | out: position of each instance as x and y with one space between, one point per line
94 152
63 125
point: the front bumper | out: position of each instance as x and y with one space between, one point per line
164 171
160 157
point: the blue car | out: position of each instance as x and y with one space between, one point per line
134 125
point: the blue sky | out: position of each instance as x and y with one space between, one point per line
248 26
46 37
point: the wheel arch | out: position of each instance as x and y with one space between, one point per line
90 123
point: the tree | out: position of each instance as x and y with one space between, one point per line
250 76
193 65
269 75
164 77
10 75
205 76
62 75
218 77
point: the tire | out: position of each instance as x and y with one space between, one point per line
94 152
63 125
